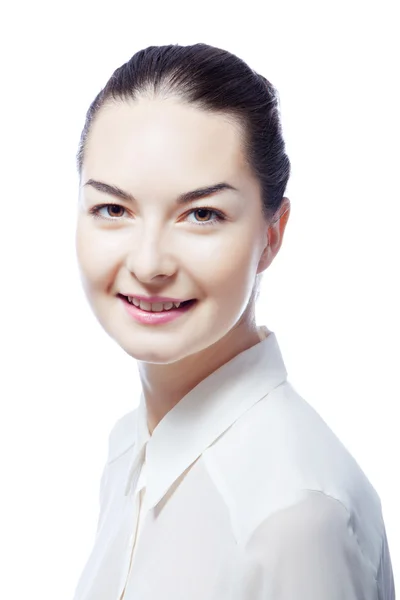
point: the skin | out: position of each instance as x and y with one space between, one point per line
157 149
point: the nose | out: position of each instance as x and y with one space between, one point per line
150 255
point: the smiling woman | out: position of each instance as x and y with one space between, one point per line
224 484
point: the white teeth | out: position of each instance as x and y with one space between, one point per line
145 305
155 306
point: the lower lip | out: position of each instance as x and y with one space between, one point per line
154 318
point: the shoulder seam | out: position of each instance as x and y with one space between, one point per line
375 569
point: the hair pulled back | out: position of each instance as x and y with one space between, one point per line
214 80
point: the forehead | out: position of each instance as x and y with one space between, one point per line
161 140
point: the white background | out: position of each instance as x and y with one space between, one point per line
331 296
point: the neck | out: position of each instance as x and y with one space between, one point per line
164 385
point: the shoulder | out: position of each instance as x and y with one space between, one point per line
313 519
279 450
122 436
317 530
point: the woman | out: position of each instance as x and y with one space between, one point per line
224 484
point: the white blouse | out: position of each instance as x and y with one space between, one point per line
242 492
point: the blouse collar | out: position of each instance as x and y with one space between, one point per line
203 415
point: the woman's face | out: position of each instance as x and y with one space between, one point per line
148 244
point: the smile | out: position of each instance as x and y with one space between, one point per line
155 306
149 316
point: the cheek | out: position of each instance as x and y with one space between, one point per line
97 260
228 271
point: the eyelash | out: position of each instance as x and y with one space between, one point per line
219 215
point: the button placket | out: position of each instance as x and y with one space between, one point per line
137 502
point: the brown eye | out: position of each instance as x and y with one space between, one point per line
114 210
203 212
111 209
215 216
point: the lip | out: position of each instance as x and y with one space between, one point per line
154 299
154 318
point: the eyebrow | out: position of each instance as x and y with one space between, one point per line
113 190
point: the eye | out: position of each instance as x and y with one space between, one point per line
208 211
117 208
95 211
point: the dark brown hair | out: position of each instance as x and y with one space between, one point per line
213 80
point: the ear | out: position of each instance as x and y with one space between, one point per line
275 231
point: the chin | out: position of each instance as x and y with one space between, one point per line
153 356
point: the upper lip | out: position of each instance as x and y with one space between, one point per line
154 299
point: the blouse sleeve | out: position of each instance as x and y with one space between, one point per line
309 551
